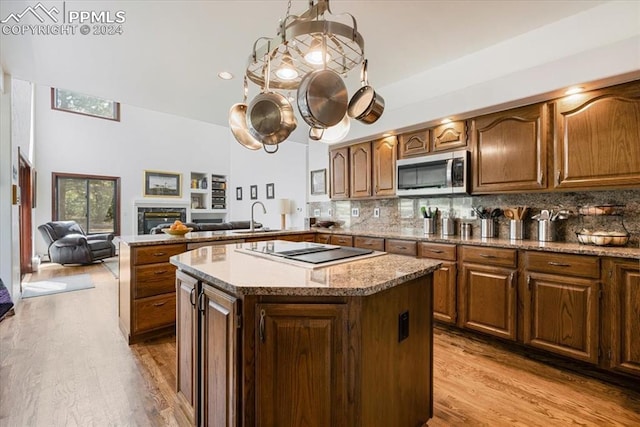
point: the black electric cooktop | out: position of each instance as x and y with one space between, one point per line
311 252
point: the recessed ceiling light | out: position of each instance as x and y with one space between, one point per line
574 90
445 121
225 75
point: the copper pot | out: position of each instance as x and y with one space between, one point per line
238 123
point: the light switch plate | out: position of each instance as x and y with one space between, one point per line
316 212
355 212
376 212
330 212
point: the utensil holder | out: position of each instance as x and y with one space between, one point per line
516 229
465 230
487 228
429 226
546 231
448 227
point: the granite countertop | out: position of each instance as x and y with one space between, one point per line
205 236
400 233
559 247
231 269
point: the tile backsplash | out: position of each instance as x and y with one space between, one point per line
404 213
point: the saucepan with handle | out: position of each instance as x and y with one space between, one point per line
366 105
238 123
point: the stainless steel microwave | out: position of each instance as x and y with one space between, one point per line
436 174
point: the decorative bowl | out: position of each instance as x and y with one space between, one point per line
177 232
324 224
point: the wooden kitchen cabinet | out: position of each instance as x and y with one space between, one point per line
219 358
187 358
360 170
444 280
375 243
147 293
416 143
510 150
488 291
339 173
301 358
597 136
341 240
324 238
384 166
561 304
401 247
623 317
449 136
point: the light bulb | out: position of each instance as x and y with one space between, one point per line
314 55
286 71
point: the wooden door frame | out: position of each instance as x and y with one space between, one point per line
25 213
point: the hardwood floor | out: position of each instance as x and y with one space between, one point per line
64 362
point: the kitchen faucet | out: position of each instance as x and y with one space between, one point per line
264 210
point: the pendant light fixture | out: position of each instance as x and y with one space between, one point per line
287 71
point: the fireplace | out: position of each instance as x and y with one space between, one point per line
149 217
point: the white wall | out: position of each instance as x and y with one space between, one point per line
142 140
287 169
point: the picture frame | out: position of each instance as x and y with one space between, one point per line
253 192
238 193
162 184
319 182
271 191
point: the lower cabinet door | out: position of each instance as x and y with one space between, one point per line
561 315
301 365
489 300
444 293
186 345
626 318
219 354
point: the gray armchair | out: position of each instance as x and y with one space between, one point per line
68 243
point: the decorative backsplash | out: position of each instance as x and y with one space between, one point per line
403 213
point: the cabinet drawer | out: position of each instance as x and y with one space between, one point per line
489 256
437 251
564 264
402 247
154 312
155 254
323 238
341 240
153 279
375 243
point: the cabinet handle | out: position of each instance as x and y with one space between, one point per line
558 264
261 329
435 251
529 282
200 301
159 304
487 256
402 247
511 280
160 272
192 293
558 177
159 254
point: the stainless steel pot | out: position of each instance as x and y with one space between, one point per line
238 123
270 116
366 105
322 98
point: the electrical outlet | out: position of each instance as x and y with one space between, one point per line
316 212
472 213
355 212
376 212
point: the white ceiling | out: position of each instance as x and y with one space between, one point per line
171 51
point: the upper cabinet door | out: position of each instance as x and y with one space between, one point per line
339 166
510 150
360 168
384 166
449 135
597 139
414 143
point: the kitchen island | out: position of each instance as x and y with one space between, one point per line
266 341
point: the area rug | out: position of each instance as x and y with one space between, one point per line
112 264
57 285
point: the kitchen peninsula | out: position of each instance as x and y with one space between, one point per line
282 343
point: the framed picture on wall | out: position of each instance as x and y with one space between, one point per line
238 193
271 191
162 184
319 182
253 190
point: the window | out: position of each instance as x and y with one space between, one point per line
91 201
74 102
